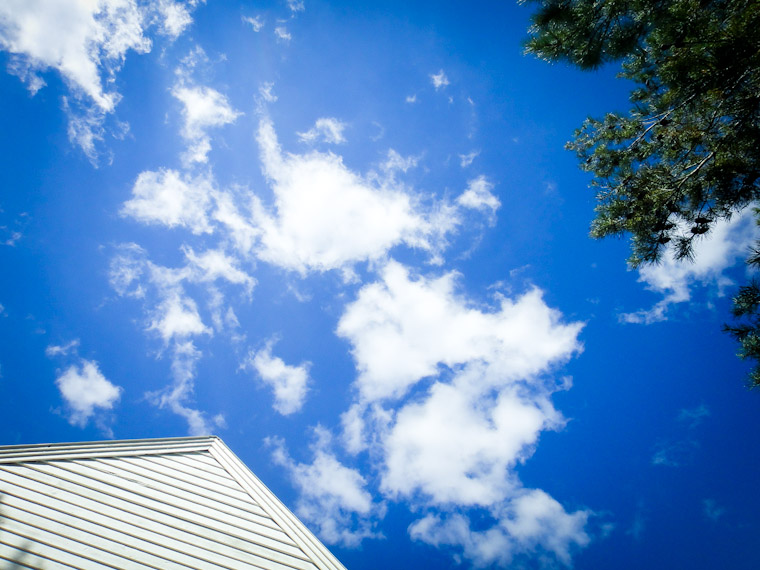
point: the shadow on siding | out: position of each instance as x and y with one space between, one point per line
15 562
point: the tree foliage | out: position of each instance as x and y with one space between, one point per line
687 153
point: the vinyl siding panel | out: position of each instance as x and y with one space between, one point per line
185 503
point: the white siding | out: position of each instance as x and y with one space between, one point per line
177 504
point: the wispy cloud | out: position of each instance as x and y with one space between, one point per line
439 80
11 230
178 397
466 160
327 129
282 34
266 91
675 452
256 22
712 510
62 350
296 6
174 317
13 238
681 449
214 265
204 108
694 416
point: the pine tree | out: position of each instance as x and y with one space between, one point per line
687 154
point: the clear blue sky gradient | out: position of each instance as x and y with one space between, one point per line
655 462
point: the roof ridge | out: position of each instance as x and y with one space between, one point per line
70 450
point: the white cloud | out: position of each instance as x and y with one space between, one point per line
289 383
728 242
75 38
203 108
239 227
177 317
327 216
173 314
169 198
174 317
333 497
86 42
85 127
175 18
402 329
457 445
478 195
178 396
86 392
453 445
223 317
282 34
483 548
19 67
126 270
194 59
534 517
439 80
256 22
296 6
466 160
411 98
530 521
324 216
397 163
328 129
62 350
214 264
265 90
353 429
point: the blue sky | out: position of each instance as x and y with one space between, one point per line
348 240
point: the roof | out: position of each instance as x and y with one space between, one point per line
174 503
